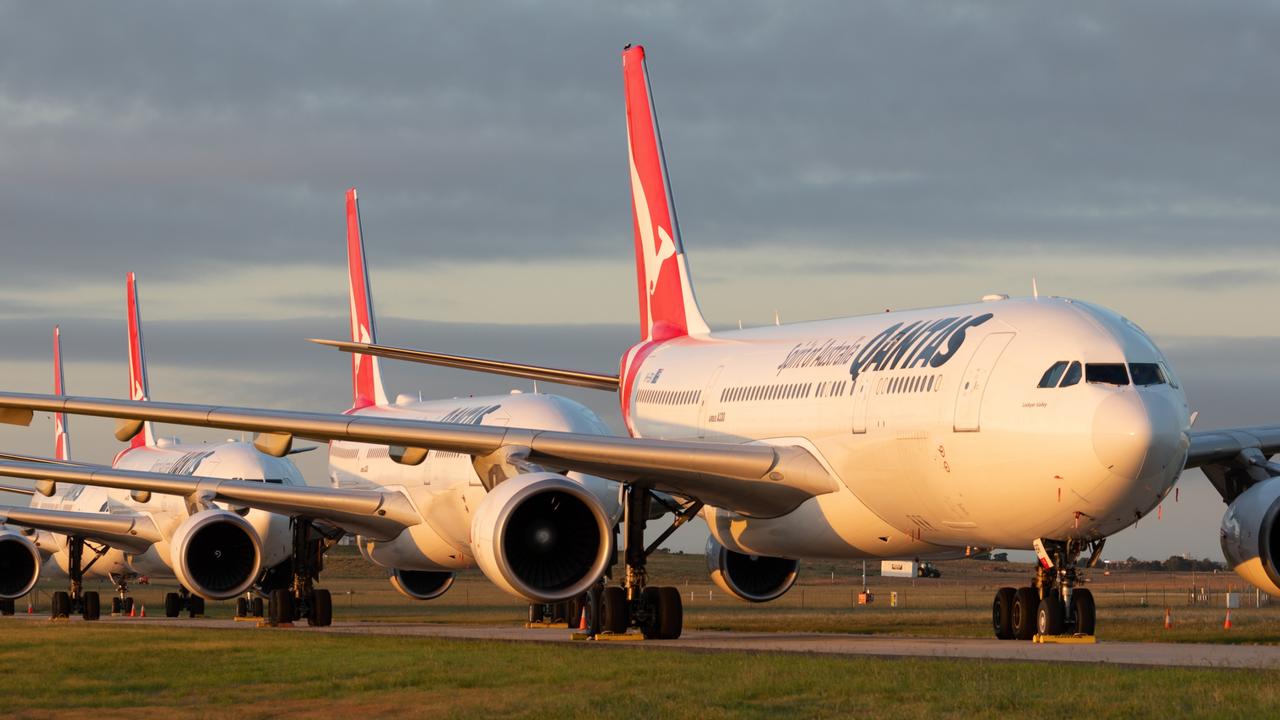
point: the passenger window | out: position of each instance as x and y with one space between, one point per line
1072 375
1106 374
1053 374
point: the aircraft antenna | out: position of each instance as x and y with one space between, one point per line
1035 291
776 319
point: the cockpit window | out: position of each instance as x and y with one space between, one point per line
1106 373
1146 374
1073 375
1168 375
1053 374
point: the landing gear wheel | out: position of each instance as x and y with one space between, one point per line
257 607
1049 616
242 607
195 605
1002 613
535 613
281 606
60 607
1025 602
576 607
651 628
1084 611
6 606
614 617
126 605
670 613
321 614
172 605
116 604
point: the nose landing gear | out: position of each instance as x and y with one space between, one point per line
1052 607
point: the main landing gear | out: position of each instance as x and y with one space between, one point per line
657 611
175 603
77 600
1053 606
301 599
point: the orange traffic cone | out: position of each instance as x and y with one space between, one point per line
31 609
1226 624
1168 619
132 611
582 622
144 611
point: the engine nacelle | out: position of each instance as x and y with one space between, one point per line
1251 536
20 562
755 578
421 584
541 537
216 554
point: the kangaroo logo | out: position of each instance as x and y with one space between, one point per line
655 255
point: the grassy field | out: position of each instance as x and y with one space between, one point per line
79 670
1130 605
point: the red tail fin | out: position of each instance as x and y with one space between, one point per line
61 442
137 361
667 305
366 375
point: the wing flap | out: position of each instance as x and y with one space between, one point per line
757 479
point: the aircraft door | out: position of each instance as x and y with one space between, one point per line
710 403
973 384
861 399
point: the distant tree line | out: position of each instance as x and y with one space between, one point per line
1173 564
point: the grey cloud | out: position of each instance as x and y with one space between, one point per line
161 137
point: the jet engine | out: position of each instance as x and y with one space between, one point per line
19 565
216 554
1251 535
541 537
421 584
755 578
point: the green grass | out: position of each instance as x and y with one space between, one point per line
73 669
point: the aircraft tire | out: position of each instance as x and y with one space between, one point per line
126 605
92 605
257 606
242 607
651 628
195 606
6 606
1002 613
172 605
1084 610
670 613
321 614
1025 602
281 607
60 607
614 613
1049 616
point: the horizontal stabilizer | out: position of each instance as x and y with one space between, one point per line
577 378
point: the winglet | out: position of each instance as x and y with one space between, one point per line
61 442
138 389
366 375
667 304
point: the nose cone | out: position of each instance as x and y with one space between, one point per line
1137 434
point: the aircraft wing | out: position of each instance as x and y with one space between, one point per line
578 378
131 533
1235 458
377 514
757 479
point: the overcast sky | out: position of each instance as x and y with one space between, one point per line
827 159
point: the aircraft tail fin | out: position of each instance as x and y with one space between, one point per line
668 307
138 388
61 441
366 374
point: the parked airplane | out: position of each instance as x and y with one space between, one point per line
214 552
1042 423
423 515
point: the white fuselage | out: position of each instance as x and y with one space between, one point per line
231 460
445 488
942 439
